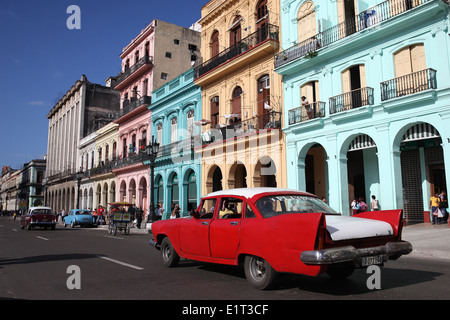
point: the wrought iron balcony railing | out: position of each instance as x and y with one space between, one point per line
408 84
351 100
269 32
130 106
372 16
271 120
124 75
301 114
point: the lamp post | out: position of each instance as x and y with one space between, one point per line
78 176
152 151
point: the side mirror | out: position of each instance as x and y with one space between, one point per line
194 214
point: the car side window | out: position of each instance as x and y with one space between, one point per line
249 212
207 210
230 208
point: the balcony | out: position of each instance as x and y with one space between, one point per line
128 106
251 42
370 17
129 75
249 126
351 100
300 114
408 84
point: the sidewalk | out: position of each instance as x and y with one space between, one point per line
428 241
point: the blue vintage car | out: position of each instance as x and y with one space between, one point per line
79 217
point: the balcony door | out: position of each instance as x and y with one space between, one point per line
263 101
235 31
306 21
214 44
262 22
353 80
346 17
407 61
236 104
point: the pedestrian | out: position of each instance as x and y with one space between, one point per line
100 213
159 211
305 103
139 215
434 204
443 205
355 207
362 205
374 204
175 212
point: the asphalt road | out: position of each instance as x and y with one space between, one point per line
37 264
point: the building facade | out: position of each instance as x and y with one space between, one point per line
82 110
377 105
243 145
160 52
176 114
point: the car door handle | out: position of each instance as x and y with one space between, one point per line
204 223
234 223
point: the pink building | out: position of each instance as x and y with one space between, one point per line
160 53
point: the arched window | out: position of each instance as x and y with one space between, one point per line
214 44
262 20
235 31
173 130
236 104
214 111
306 21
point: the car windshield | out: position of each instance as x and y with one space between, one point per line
82 212
41 211
272 206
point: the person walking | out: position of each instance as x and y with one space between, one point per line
374 204
434 204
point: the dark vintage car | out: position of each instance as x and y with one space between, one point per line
38 217
273 231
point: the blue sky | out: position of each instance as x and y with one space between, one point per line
42 58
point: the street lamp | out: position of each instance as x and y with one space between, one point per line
78 176
152 151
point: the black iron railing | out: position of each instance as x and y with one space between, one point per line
130 106
408 84
143 61
372 16
351 100
261 35
271 120
308 112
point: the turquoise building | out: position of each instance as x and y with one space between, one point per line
176 107
375 121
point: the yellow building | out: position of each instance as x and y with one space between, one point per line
243 145
105 158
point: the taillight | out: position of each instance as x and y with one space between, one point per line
321 234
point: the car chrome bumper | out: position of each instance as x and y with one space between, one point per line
349 253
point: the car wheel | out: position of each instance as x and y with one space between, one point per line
259 272
169 256
341 271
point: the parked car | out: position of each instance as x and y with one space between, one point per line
79 217
38 217
274 231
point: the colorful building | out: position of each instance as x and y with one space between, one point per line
376 77
176 108
160 53
243 145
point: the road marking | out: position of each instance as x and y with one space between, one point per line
121 263
112 237
42 238
14 230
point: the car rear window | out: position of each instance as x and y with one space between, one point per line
272 206
41 211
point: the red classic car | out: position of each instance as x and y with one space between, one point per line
273 230
38 217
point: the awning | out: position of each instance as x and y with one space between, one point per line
361 142
420 131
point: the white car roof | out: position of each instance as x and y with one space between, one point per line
249 192
32 208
